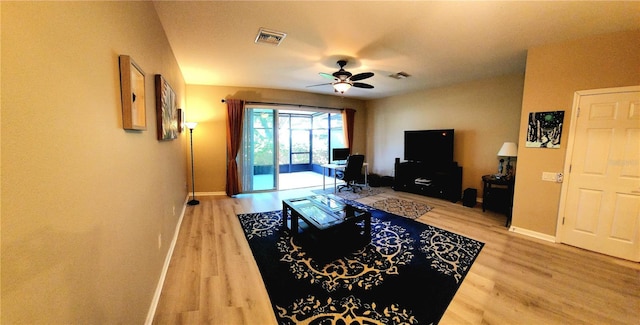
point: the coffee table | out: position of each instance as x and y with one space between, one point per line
322 213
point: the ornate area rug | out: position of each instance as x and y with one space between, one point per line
368 191
401 207
407 274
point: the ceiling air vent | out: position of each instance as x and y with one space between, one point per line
272 37
400 75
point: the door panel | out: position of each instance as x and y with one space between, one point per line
588 207
602 207
259 150
631 152
597 143
621 217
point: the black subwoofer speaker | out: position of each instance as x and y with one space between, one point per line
469 197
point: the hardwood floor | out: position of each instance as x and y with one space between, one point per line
213 278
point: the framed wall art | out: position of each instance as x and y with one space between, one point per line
544 129
180 120
166 110
134 113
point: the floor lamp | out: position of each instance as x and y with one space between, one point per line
193 201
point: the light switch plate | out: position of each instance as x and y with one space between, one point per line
549 177
552 177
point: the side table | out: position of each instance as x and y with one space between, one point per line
497 195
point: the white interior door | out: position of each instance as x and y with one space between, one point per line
600 208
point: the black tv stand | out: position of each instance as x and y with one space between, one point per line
423 178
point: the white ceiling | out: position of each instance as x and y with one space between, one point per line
437 42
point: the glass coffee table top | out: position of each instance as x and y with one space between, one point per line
323 211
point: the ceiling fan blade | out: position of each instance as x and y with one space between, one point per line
328 83
362 85
361 76
326 75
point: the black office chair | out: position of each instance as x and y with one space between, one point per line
351 173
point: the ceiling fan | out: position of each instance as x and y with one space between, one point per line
343 79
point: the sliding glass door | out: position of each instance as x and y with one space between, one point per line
302 143
294 138
259 159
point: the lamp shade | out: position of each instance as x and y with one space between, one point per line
191 125
509 149
341 86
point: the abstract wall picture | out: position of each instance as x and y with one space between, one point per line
180 120
545 129
166 110
134 112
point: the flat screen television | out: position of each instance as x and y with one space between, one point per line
433 147
340 154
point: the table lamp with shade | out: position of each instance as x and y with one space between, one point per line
509 150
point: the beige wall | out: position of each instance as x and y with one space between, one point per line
209 138
554 73
484 114
88 209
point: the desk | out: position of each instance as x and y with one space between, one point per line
335 167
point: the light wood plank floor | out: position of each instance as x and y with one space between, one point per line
213 278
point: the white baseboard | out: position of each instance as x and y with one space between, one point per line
209 194
165 268
533 234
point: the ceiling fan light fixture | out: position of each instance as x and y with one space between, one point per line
341 86
343 80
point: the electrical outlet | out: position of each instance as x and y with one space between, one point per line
159 240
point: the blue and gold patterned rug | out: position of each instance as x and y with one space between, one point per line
407 274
